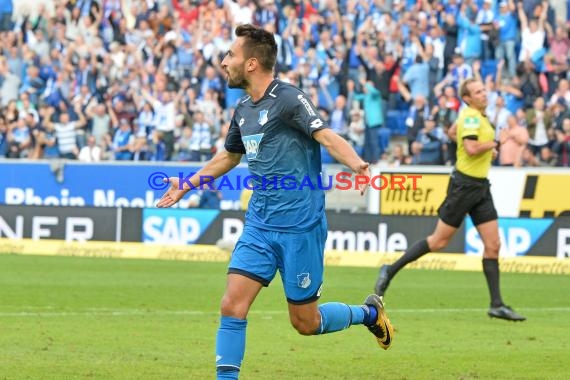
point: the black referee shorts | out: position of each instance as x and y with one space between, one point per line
467 195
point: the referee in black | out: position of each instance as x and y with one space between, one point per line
468 193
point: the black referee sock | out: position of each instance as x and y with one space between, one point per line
413 253
491 270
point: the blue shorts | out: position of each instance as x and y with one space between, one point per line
298 256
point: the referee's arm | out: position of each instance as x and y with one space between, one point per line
474 147
452 132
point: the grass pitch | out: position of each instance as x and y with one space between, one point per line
83 318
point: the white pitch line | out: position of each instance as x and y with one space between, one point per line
137 312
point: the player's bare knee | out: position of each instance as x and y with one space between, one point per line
230 307
492 249
436 243
306 326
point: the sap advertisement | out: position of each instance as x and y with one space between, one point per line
167 226
521 237
195 226
365 232
102 185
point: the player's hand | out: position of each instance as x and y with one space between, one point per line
363 170
174 193
495 153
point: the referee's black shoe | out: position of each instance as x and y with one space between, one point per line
505 312
383 280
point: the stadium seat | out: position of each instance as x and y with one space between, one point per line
396 122
489 67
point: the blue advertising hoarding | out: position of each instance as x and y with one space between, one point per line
518 236
165 226
100 185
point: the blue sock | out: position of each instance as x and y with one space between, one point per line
371 315
230 347
336 316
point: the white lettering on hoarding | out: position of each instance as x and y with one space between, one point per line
101 198
368 241
83 233
563 243
27 196
17 232
171 230
76 228
514 241
231 229
38 224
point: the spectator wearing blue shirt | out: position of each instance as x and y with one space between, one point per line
511 92
6 9
506 22
376 137
48 141
417 78
339 116
185 54
485 17
122 141
211 81
418 114
19 140
428 147
450 31
3 137
470 36
458 72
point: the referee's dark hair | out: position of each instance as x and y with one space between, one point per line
259 44
464 87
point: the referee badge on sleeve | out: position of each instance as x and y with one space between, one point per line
471 123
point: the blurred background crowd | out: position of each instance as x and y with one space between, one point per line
141 80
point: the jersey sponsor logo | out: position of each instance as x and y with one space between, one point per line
307 105
471 123
241 121
263 117
317 123
251 144
304 280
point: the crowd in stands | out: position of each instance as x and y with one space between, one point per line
141 79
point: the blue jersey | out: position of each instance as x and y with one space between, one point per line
275 134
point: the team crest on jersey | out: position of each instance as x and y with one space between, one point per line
251 144
303 280
263 117
241 121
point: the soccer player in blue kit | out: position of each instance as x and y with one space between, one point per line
280 132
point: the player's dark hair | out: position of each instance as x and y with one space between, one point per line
260 44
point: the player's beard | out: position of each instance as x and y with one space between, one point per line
237 79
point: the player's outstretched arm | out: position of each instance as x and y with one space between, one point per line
222 163
343 152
